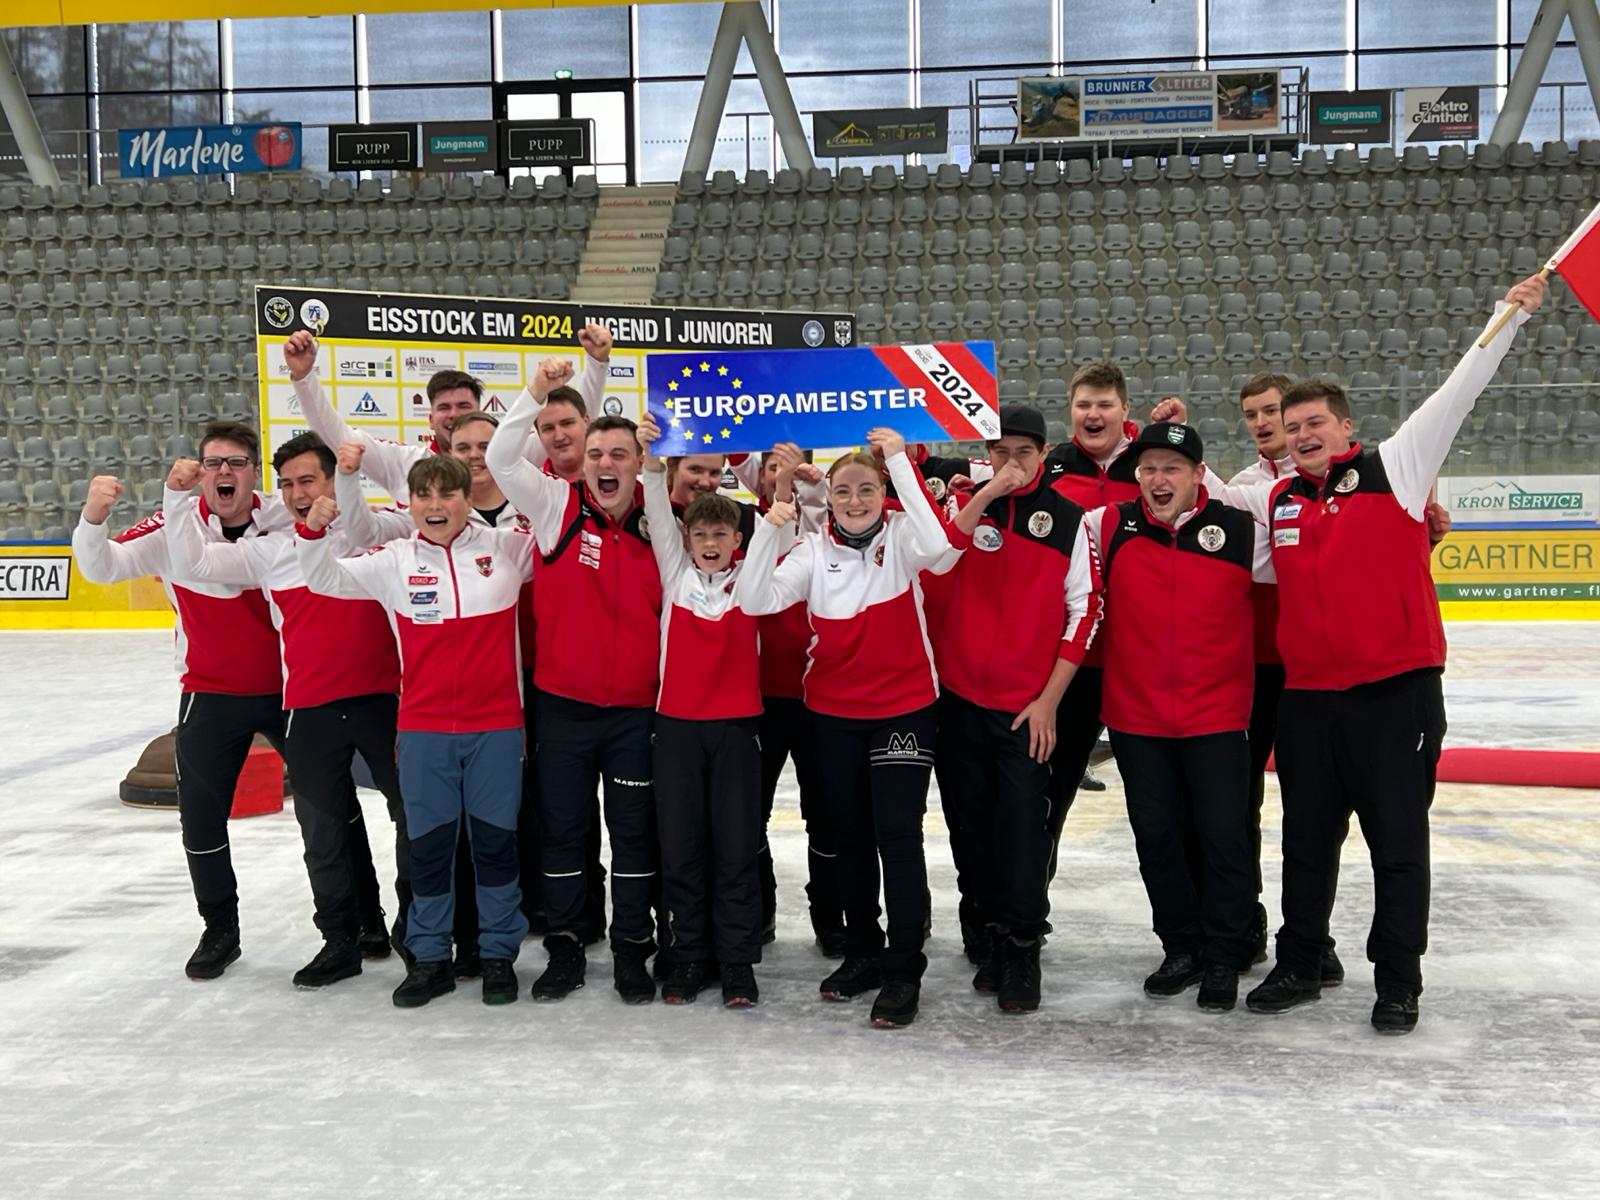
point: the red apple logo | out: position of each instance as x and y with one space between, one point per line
275 146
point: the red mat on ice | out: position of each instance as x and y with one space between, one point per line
1520 768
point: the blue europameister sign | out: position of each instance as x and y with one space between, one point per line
209 149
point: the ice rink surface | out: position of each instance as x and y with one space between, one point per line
119 1077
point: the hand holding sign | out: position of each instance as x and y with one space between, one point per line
886 442
649 435
725 401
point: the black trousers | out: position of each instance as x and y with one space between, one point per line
997 804
875 775
1263 734
213 739
708 813
319 746
1372 750
787 733
1077 730
1204 781
581 745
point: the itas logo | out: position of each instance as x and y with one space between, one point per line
424 362
367 407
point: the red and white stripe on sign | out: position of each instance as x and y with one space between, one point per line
961 394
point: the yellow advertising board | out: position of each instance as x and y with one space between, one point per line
40 588
1519 574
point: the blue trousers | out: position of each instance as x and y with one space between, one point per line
447 778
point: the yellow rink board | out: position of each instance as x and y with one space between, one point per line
60 598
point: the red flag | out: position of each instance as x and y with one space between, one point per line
1578 260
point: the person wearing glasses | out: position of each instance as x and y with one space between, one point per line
227 657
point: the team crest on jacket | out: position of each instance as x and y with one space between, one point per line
987 537
485 565
1040 524
523 523
1348 482
877 556
937 488
1212 538
644 527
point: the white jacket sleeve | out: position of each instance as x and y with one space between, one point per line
539 497
921 536
360 526
368 577
103 560
385 463
666 539
773 590
1254 498
1413 456
245 563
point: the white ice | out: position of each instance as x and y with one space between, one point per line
119 1077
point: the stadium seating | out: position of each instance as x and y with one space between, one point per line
125 310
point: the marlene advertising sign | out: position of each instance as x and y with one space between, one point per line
208 150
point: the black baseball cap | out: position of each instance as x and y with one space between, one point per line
1022 420
1169 435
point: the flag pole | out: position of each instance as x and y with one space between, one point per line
1515 307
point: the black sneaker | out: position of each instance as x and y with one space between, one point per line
423 982
987 977
1259 929
856 974
630 976
1332 969
1219 988
831 943
565 972
1090 784
219 946
339 958
683 982
468 963
1019 976
896 1005
1396 1010
499 981
1176 974
739 986
1282 990
374 943
977 942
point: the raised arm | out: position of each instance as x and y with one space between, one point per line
666 540
1002 483
539 497
360 526
775 589
1413 456
922 536
245 563
139 551
368 577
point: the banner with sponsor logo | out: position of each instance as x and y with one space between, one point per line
1153 104
880 131
1496 566
1358 117
372 147
746 400
1441 114
546 143
379 350
460 146
208 150
1522 499
40 588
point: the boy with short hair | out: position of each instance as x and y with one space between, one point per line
707 743
451 590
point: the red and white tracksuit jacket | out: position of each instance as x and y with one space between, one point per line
596 586
869 655
332 649
1026 593
709 666
454 614
386 462
1356 601
223 636
1264 596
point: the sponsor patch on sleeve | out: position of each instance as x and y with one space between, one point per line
1285 537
